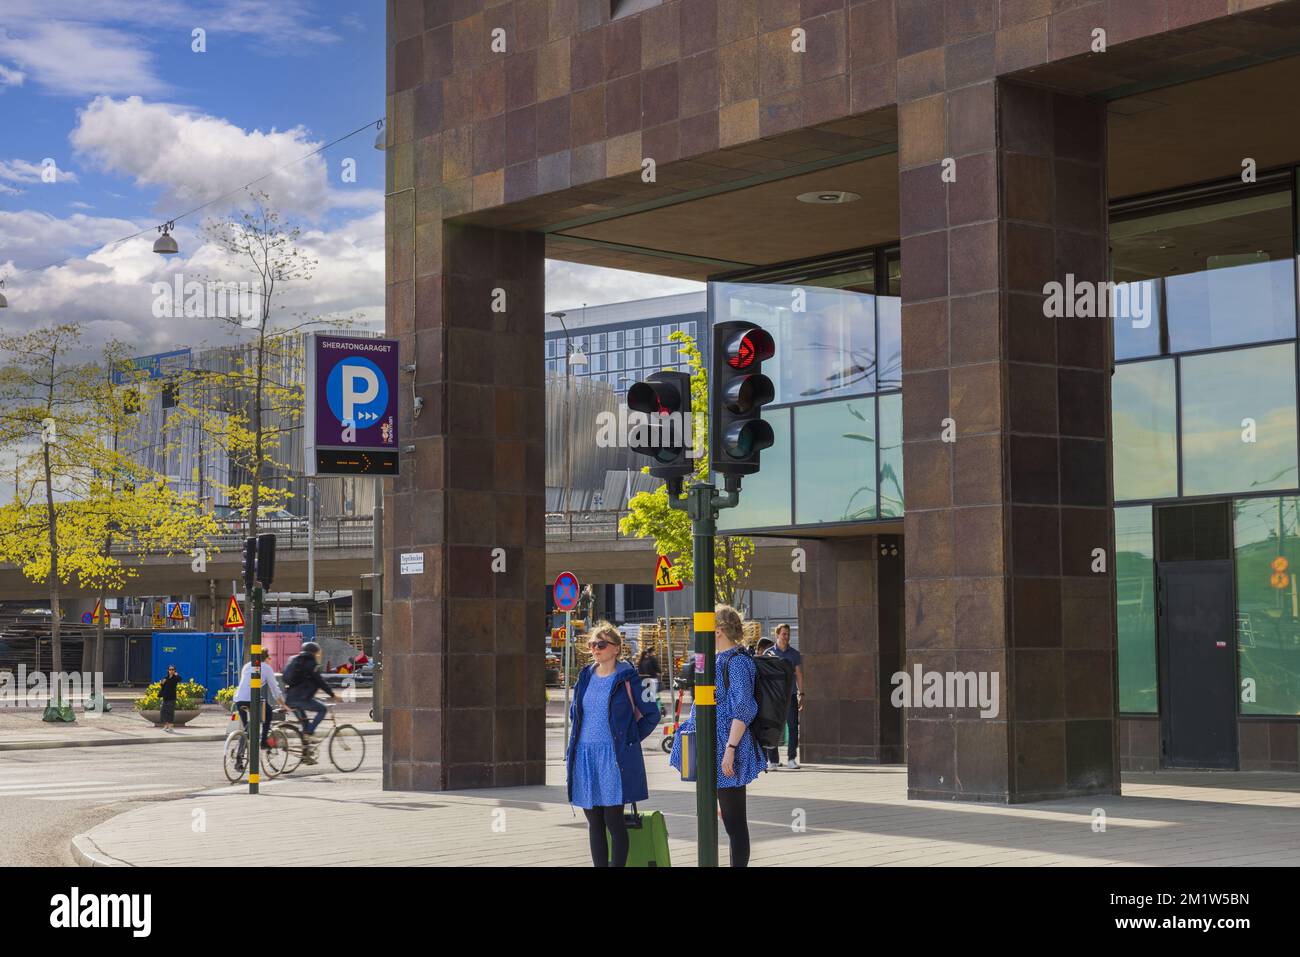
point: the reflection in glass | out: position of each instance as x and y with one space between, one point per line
1135 307
1239 420
1143 426
765 495
1227 270
1135 605
891 455
889 320
835 473
1268 605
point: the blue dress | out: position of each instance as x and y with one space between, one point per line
597 780
737 702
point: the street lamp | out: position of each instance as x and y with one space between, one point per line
166 243
4 303
381 138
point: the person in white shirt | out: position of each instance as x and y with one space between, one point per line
270 692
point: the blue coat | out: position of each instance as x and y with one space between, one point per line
628 727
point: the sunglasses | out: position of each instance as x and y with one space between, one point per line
599 645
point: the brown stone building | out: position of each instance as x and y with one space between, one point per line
892 187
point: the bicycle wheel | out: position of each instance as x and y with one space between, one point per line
287 748
235 757
347 748
277 757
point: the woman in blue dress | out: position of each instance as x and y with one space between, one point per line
606 769
738 758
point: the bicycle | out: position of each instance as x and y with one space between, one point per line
234 758
344 745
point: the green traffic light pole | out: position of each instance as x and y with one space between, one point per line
702 505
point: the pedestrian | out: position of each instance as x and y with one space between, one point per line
270 693
647 666
605 766
782 649
739 760
167 692
764 646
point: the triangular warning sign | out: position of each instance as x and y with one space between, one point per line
665 580
234 617
98 613
177 612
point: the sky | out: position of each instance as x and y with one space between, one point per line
111 122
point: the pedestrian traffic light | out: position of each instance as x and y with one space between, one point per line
737 432
250 563
666 399
265 559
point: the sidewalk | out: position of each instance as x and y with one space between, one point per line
849 816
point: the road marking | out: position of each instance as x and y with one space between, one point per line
66 793
14 788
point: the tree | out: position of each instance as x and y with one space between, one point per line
82 508
249 407
649 514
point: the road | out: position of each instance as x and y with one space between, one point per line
47 797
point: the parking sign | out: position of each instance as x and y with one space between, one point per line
350 409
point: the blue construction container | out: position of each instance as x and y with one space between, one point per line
213 660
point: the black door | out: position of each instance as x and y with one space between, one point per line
1198 651
139 660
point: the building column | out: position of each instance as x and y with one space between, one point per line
1006 426
464 697
849 631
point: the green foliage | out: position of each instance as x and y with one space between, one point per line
651 517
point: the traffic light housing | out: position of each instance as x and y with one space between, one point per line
265 559
737 432
665 398
250 563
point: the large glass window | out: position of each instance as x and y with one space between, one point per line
1239 420
1135 605
1268 605
891 455
889 315
765 495
1226 266
1144 429
835 474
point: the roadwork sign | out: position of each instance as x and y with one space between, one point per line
234 617
665 578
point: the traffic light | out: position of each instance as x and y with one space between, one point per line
250 563
737 432
666 399
265 559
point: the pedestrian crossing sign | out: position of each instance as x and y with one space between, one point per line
234 617
665 578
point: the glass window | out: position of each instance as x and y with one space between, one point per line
650 335
835 473
598 362
1143 424
1239 420
691 329
550 366
765 497
891 455
1135 606
598 342
1136 310
615 341
652 357
1268 605
615 361
1226 265
550 348
632 338
889 323
633 357
825 338
580 342
668 353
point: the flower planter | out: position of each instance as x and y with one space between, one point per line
182 717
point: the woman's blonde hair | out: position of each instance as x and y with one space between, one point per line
606 630
728 621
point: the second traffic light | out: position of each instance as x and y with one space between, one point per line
259 561
737 432
665 398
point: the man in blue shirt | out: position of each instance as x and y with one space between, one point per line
782 649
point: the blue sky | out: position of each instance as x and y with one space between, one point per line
141 127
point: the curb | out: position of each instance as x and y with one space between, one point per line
120 742
87 854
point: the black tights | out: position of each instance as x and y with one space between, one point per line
598 819
731 801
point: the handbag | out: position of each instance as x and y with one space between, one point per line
647 839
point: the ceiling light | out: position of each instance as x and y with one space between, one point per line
828 197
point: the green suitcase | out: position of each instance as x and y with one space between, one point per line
647 844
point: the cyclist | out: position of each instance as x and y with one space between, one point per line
270 692
302 679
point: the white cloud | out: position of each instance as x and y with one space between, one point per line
31 238
194 157
24 171
569 285
10 77
77 59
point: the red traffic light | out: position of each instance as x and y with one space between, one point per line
749 347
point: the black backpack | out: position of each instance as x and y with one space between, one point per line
295 671
772 683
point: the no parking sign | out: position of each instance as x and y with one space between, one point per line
566 591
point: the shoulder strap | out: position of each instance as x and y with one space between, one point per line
628 686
